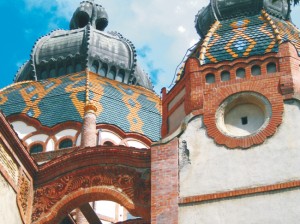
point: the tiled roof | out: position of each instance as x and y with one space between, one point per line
57 100
239 37
288 32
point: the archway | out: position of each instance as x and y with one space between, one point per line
69 186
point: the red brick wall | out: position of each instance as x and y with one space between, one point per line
202 98
164 183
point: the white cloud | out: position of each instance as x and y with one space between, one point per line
168 28
181 29
193 42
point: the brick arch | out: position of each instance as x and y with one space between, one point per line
267 88
118 173
83 196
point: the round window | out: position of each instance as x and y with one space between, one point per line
243 114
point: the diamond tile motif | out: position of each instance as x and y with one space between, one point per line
131 108
243 37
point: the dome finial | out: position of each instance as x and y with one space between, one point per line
89 12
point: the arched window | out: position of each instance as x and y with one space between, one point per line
120 76
132 80
108 143
256 70
112 73
82 19
36 148
210 78
101 24
44 74
67 143
78 68
52 73
70 69
241 73
225 76
61 71
271 67
95 67
103 70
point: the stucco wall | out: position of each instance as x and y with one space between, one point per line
9 212
280 208
213 168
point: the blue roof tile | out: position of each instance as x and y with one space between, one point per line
58 100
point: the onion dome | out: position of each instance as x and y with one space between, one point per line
223 10
85 46
235 29
89 12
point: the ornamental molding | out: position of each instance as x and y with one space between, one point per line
125 185
214 98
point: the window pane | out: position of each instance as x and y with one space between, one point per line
103 70
255 70
225 76
240 73
210 78
52 73
37 148
44 74
61 71
95 67
271 68
78 68
120 76
70 69
112 73
67 143
108 143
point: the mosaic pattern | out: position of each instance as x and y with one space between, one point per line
240 37
54 101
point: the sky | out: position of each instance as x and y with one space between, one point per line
162 31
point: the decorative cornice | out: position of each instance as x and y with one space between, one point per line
17 146
276 32
147 141
75 160
239 193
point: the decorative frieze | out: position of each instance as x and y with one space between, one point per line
24 196
9 165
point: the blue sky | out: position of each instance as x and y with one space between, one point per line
162 32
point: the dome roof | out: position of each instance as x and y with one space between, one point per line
58 100
89 12
85 46
256 28
223 10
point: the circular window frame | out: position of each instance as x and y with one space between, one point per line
215 99
237 99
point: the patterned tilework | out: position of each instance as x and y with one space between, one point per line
288 32
120 105
50 101
240 37
57 100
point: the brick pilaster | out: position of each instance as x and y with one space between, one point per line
89 133
164 183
